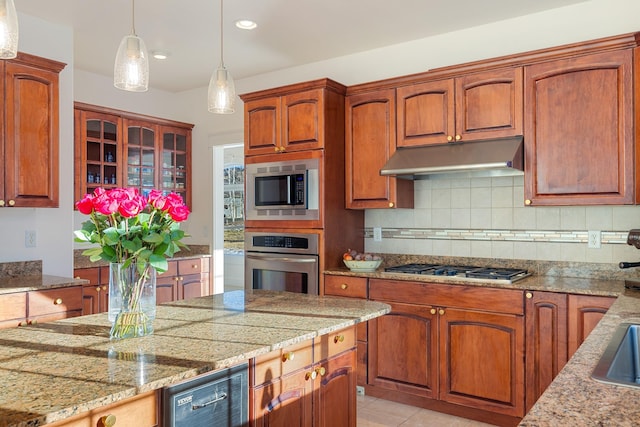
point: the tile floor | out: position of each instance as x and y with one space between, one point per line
374 412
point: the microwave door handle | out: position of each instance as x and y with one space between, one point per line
284 259
289 187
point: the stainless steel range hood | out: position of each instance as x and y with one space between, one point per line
495 157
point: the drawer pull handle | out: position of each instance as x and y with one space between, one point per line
108 420
12 202
344 286
321 371
338 338
441 312
194 266
529 295
57 301
288 356
433 311
311 375
216 399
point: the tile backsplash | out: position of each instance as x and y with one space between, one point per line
487 218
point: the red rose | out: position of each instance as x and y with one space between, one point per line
129 208
157 200
85 205
179 213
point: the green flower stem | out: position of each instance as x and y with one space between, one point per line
131 321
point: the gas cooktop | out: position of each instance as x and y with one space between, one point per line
490 273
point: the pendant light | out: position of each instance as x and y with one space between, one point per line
8 30
131 69
222 92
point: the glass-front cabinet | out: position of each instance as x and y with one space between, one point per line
120 149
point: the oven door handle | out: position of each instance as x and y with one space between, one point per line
284 259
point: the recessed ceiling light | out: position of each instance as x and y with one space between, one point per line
159 54
246 24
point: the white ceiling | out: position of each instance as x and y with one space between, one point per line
289 33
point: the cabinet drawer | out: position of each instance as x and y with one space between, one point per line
13 306
355 287
55 301
506 301
91 274
281 362
190 266
334 343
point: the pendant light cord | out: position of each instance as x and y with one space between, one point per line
133 17
221 38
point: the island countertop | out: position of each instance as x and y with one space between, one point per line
52 371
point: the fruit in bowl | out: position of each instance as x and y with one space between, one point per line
361 262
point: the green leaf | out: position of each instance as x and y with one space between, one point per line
159 263
153 238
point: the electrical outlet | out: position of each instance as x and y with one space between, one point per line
359 390
29 239
594 237
377 234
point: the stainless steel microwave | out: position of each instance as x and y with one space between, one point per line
286 189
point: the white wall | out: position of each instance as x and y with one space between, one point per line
54 227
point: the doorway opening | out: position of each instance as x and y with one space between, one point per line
233 194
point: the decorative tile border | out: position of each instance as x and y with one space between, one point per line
607 237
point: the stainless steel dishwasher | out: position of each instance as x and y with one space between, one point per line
216 399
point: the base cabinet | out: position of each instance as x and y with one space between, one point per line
452 349
308 384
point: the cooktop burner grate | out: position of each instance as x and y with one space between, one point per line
510 274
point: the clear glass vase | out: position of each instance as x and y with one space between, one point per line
132 299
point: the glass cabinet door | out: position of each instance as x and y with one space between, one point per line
141 163
98 142
175 161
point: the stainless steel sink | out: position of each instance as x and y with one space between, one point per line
620 363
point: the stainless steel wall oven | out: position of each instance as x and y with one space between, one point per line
282 261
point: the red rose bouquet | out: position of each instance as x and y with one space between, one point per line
136 234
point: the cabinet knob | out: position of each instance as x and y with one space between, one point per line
527 202
449 138
321 371
276 149
441 312
12 202
1 202
288 356
338 338
529 295
310 375
458 137
104 287
344 286
433 311
391 204
108 420
98 288
77 277
57 301
194 266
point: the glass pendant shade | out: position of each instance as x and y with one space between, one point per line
131 69
222 92
8 30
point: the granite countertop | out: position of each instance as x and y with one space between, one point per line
36 282
52 371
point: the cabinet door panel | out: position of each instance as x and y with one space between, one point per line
262 126
403 350
585 311
425 113
336 390
546 324
482 360
579 128
285 402
31 150
302 119
370 142
490 104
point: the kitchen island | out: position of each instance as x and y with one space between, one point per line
53 371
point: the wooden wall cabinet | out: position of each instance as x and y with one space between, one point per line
29 132
306 384
442 334
471 107
370 127
116 148
298 119
579 141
